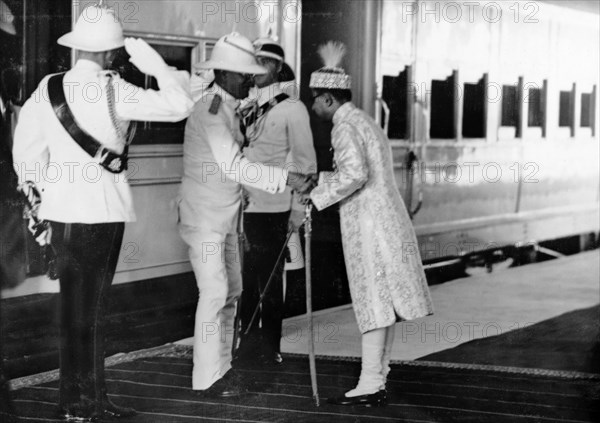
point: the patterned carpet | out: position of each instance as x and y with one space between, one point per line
157 383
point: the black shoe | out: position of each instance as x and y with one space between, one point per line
272 358
230 385
378 399
112 411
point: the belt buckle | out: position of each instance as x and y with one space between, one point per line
110 160
102 154
115 164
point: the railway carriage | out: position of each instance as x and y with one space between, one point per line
491 109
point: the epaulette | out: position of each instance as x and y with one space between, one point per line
215 105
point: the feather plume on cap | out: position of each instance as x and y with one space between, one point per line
331 75
332 54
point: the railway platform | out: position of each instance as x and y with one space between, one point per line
522 305
519 345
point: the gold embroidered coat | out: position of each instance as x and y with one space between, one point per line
385 273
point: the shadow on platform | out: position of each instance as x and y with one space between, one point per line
568 342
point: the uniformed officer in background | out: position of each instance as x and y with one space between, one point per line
12 231
70 144
277 132
209 206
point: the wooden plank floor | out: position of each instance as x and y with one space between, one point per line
159 388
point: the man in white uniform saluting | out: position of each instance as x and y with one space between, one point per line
209 207
70 143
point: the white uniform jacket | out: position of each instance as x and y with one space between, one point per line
75 188
281 137
214 168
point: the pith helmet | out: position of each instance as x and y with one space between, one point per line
269 48
234 53
6 19
97 29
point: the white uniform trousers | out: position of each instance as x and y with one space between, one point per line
216 264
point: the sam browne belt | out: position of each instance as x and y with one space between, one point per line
111 161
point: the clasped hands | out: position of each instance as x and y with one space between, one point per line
303 184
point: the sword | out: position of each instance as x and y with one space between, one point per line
307 222
32 201
271 276
238 305
307 264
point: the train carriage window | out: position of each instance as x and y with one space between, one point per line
535 115
443 103
535 96
588 110
396 95
586 118
510 106
474 109
566 109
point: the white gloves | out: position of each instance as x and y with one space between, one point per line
144 57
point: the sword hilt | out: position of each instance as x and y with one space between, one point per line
308 217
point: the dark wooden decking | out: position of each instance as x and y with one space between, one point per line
159 388
142 315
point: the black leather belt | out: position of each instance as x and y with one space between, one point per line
111 161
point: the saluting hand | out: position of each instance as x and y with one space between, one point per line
144 57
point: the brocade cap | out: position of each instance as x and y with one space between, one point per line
331 76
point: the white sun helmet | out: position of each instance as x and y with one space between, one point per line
6 19
234 53
97 29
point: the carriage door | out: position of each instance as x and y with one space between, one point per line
397 95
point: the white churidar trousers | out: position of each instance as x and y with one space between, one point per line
375 361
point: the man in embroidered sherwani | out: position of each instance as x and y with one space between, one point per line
385 274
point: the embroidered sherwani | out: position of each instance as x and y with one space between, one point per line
385 274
